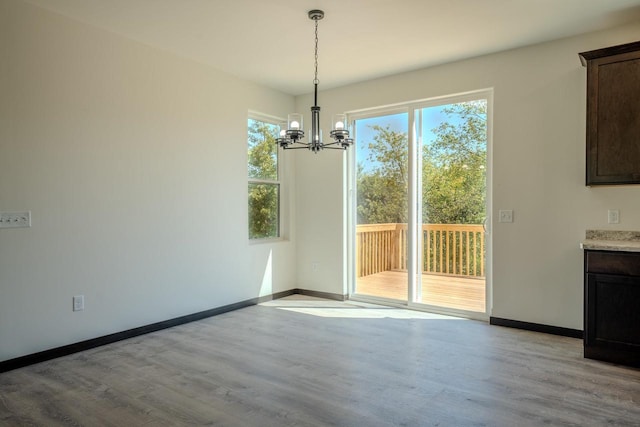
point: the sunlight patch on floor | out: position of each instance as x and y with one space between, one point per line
349 309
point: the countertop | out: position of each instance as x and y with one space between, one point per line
611 240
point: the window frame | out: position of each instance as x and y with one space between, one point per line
278 182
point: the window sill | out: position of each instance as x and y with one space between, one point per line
253 242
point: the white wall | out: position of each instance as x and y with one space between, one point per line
133 164
539 169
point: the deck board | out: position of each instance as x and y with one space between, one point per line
461 293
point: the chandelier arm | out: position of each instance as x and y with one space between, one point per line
305 146
342 144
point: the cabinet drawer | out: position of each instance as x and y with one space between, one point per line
605 262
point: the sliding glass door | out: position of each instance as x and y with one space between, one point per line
382 183
452 208
420 204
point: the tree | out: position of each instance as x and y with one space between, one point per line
382 192
263 150
264 191
453 171
454 167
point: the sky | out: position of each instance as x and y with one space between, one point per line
432 118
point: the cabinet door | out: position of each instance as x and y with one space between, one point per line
613 114
613 312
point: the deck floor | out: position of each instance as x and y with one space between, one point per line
461 293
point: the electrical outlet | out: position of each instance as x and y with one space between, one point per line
78 303
613 216
505 216
15 219
315 266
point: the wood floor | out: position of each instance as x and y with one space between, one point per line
301 361
460 293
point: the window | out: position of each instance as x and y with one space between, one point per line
264 179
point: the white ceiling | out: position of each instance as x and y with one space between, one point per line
271 41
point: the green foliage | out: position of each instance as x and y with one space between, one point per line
382 193
263 211
263 166
263 150
453 171
454 167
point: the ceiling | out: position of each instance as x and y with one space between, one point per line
270 42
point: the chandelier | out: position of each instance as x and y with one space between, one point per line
291 133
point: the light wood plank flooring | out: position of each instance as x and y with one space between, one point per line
301 361
460 293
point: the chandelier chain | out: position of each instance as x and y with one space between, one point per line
315 80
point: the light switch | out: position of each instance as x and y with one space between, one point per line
505 216
78 303
613 216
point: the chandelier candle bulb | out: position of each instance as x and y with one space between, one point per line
338 121
295 121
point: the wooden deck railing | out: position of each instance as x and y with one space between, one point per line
454 249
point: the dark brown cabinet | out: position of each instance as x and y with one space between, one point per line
613 114
612 307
